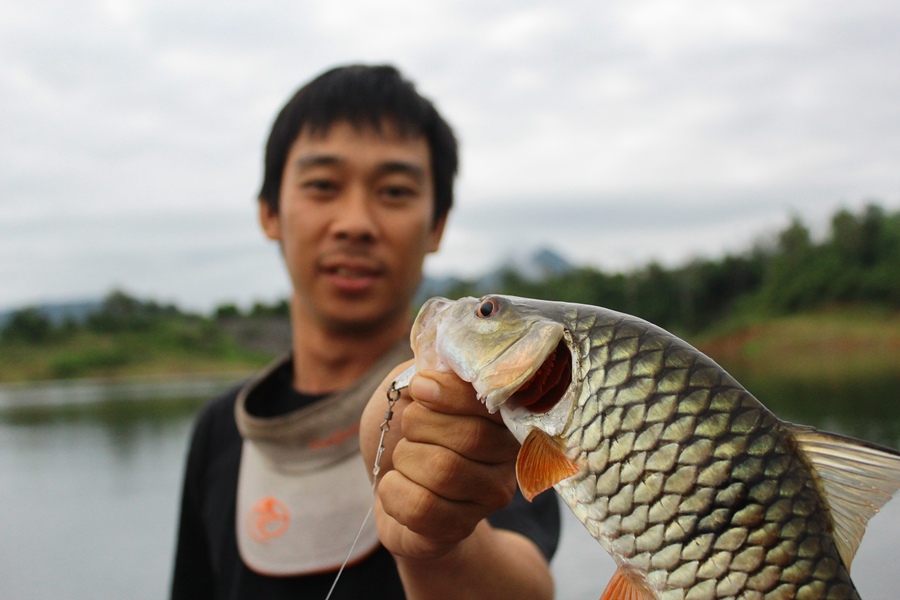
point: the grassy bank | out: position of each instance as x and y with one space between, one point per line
833 346
169 346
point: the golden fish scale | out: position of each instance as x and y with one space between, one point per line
688 477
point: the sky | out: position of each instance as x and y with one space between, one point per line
615 133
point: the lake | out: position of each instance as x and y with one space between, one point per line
90 491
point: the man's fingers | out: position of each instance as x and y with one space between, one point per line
473 437
453 477
425 513
445 392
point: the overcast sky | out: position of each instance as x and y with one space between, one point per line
613 132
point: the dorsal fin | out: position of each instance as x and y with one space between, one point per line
628 584
541 463
857 479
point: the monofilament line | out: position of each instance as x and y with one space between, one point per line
353 545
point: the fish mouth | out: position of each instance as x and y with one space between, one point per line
548 384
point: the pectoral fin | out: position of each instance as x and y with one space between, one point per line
628 584
541 464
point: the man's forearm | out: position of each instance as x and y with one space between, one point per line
491 563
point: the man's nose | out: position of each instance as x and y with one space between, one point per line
355 219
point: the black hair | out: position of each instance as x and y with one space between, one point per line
364 96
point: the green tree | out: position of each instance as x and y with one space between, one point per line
28 325
123 312
227 311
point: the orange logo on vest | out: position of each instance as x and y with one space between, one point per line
268 519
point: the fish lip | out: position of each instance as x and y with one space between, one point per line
422 334
430 309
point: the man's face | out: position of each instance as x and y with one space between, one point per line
355 222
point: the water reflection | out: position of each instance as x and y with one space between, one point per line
124 425
864 409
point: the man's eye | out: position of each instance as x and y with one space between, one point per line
397 192
320 185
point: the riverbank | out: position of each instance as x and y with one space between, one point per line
94 390
837 347
180 348
831 346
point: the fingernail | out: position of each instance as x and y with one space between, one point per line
424 389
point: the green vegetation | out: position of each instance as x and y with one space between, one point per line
794 309
127 337
858 263
828 345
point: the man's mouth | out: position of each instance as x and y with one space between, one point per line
351 273
352 276
353 270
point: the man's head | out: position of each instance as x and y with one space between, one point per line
358 183
365 97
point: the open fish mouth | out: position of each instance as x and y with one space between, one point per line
548 384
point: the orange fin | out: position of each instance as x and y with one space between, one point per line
541 463
628 584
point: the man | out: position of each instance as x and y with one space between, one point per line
358 182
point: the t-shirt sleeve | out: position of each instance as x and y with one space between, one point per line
537 520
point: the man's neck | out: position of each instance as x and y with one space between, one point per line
328 361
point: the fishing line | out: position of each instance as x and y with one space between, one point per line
393 394
353 545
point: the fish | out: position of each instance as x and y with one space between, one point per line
691 484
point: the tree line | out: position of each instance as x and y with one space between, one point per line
856 262
120 312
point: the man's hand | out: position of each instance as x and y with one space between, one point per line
447 464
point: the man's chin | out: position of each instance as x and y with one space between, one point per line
366 323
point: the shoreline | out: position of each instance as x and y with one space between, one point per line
61 392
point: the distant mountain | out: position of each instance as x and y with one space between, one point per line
541 264
59 312
537 266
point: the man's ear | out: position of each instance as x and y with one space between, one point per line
437 233
269 221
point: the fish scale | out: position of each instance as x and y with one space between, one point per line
693 486
731 510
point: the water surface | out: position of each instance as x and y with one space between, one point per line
90 496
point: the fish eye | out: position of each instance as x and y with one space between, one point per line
487 308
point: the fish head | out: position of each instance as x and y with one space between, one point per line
516 352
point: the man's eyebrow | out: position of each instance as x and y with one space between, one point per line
386 168
316 160
403 167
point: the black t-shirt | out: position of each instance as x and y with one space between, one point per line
207 562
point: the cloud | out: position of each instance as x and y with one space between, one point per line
616 131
